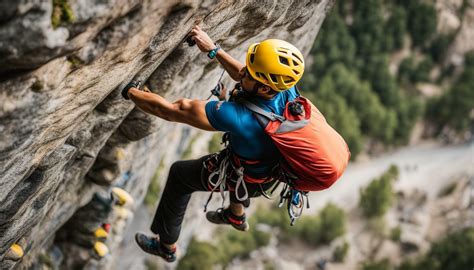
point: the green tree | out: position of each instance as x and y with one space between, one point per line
349 79
406 69
454 108
450 253
313 229
333 221
395 234
378 196
383 84
199 256
234 244
422 21
333 45
410 73
423 70
393 172
439 46
376 265
453 252
395 28
372 115
367 27
340 252
408 110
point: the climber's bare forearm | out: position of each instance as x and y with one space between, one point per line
150 103
231 65
191 112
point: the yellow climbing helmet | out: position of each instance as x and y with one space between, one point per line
275 63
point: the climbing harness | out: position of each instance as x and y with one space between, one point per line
225 166
221 169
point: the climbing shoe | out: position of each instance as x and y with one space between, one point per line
225 216
152 245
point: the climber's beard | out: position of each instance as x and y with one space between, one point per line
240 91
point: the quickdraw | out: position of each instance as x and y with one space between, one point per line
217 179
295 201
221 180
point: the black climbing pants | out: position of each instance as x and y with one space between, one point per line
186 177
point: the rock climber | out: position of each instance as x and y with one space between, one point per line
268 79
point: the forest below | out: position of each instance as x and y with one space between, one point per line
349 76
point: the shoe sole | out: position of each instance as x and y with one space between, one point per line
152 253
245 228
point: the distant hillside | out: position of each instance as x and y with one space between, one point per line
373 65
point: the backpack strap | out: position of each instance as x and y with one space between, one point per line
261 112
297 91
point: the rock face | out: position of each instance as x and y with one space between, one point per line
66 133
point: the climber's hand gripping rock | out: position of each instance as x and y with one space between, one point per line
203 41
132 84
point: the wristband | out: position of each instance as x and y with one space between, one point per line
212 53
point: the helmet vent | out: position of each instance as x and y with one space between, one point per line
296 72
273 77
252 58
296 56
295 63
261 76
255 48
283 60
289 79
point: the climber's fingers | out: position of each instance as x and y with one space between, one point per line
199 43
193 32
197 28
204 42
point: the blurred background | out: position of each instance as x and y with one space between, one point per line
396 79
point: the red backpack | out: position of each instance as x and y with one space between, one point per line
314 152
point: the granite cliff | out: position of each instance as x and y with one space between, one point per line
67 136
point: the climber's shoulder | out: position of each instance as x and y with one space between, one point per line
227 115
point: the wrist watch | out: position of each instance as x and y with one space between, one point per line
212 53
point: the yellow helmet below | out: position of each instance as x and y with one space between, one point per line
275 63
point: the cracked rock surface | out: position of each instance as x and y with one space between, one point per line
67 134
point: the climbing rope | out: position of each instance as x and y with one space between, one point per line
216 91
